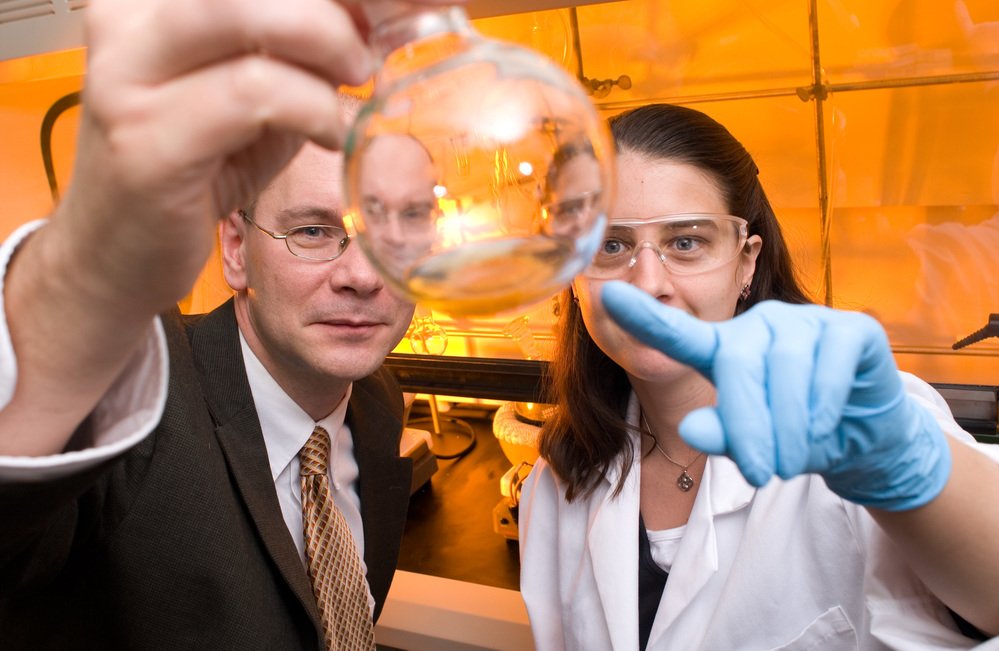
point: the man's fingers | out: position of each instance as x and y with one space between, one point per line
702 429
185 35
672 331
239 102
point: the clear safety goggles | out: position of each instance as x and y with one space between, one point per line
685 244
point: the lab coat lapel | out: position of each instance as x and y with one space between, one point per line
723 490
613 539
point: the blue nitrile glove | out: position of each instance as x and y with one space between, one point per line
800 389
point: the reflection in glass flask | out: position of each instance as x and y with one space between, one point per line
479 173
425 335
519 330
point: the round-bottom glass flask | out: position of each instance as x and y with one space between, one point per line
479 173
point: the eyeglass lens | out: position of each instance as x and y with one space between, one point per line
317 242
416 215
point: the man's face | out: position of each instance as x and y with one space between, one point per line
315 325
396 191
575 197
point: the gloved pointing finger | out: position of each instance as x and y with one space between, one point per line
674 332
838 409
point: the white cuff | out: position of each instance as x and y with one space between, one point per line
127 413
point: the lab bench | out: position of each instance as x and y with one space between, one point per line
456 587
450 528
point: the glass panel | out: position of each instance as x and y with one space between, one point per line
862 41
780 133
548 32
915 229
670 49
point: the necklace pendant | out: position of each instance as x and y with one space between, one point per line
685 482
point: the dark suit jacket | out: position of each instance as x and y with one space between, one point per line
180 542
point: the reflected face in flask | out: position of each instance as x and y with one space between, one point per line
397 199
573 199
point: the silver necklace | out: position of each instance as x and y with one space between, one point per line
684 482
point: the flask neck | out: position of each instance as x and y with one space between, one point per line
398 24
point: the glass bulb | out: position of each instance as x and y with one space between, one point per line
478 175
426 336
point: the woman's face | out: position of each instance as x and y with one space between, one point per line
646 189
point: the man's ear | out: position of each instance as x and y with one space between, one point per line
232 235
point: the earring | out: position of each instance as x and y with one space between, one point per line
744 294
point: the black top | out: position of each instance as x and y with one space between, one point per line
651 583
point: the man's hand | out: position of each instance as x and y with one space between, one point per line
800 389
190 108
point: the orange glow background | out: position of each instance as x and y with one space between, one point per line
875 126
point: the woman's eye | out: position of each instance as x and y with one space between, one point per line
612 247
684 243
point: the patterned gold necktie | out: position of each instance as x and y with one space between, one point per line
334 564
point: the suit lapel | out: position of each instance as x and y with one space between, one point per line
613 537
384 478
218 358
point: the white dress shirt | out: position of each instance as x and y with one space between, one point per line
286 428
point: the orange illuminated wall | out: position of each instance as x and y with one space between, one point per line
29 87
875 126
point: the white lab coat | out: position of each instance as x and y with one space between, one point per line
786 566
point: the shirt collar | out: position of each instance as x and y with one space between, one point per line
285 426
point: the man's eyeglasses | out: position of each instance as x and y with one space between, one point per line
312 241
569 217
573 207
685 244
414 216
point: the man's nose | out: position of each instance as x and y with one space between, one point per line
354 271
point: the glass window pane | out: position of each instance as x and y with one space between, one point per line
914 187
695 48
863 41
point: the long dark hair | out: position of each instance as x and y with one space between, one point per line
588 431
